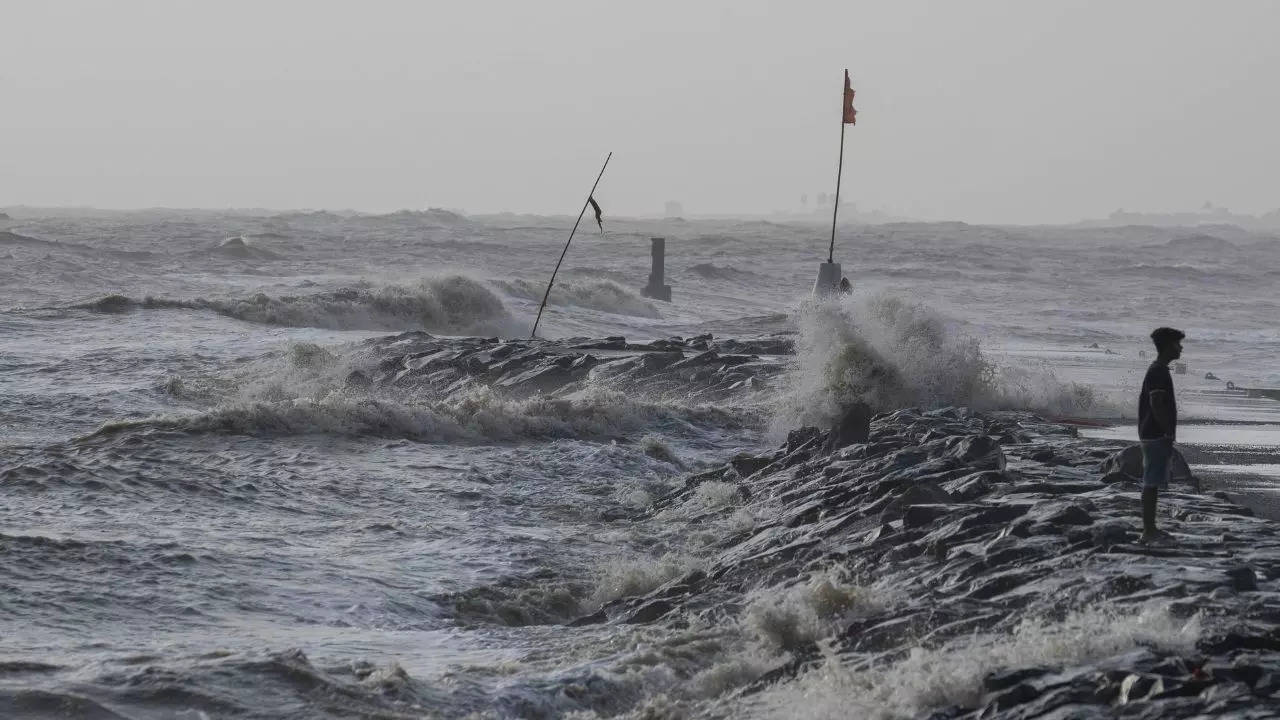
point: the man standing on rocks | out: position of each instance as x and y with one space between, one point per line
1157 428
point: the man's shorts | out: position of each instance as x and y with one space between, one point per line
1157 462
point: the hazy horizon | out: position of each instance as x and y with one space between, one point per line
990 112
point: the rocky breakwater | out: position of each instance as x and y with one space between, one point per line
997 558
697 369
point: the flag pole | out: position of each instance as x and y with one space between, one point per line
552 281
835 209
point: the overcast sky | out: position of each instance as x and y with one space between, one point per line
1008 111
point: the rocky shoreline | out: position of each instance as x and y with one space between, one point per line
943 563
978 526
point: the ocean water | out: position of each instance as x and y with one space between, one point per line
200 517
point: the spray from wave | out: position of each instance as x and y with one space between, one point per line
889 353
450 304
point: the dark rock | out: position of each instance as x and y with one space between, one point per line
1267 684
1126 462
974 486
702 359
997 515
1242 579
1136 687
998 584
655 361
594 618
1105 534
1246 673
1041 455
920 515
1012 697
1223 695
609 343
1070 515
649 612
799 438
981 452
1227 642
747 465
937 549
922 493
853 427
1129 462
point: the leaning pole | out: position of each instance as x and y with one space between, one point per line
581 212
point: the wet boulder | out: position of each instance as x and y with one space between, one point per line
980 452
853 427
1128 462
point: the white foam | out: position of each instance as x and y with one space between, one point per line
787 619
716 495
657 449
928 679
627 577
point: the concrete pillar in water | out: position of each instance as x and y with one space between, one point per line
656 288
828 282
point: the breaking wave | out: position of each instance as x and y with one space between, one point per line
476 415
889 353
603 295
238 248
451 304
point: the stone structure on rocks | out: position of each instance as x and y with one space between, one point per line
657 288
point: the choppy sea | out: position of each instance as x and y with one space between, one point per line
201 517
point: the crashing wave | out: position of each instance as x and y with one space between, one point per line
887 353
474 416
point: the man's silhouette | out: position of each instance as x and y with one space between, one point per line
1157 427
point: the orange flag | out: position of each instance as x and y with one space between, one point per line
850 115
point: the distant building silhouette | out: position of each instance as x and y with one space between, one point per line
674 208
1208 214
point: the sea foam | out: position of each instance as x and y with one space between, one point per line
931 678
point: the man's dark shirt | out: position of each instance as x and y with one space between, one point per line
1158 378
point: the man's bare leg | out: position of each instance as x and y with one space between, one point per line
1149 497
